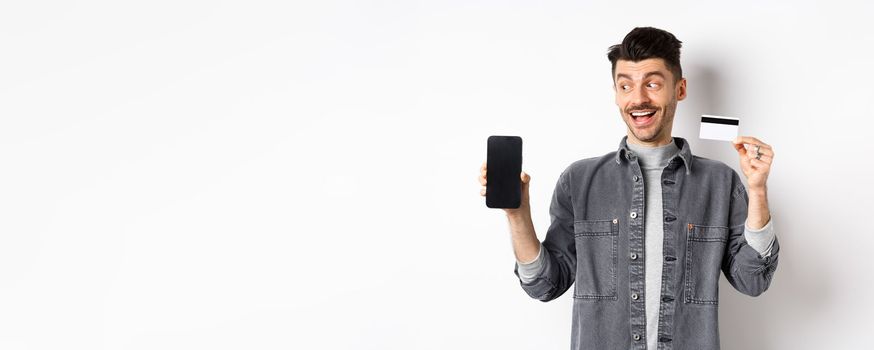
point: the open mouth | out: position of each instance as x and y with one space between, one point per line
643 117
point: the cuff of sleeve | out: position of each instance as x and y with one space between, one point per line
762 240
529 271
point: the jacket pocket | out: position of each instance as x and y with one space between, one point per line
596 244
705 246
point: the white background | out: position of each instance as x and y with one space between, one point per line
302 175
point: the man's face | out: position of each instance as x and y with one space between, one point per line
647 99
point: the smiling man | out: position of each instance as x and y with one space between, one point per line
642 233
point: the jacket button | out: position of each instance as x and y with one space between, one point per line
635 178
634 296
615 221
636 337
633 256
633 215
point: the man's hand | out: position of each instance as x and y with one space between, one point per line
756 171
524 207
525 243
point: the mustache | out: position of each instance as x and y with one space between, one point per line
639 107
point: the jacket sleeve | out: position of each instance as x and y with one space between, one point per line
744 267
558 250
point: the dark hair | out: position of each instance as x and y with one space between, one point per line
647 42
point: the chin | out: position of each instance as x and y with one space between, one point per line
646 137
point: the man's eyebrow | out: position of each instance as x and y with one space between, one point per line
647 75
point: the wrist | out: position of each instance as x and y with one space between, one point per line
758 191
521 216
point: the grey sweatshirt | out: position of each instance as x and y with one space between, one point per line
652 161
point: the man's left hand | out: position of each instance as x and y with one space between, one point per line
756 170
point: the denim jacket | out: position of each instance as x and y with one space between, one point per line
595 242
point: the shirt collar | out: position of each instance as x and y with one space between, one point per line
685 153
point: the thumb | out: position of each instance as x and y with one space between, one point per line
740 148
525 178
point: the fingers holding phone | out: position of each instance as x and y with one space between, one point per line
483 179
524 178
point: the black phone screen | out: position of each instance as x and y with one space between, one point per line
503 167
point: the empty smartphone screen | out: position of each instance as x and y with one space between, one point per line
503 168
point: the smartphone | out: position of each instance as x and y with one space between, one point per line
503 168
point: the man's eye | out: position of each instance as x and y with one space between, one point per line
653 85
625 87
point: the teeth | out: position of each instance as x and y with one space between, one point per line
638 114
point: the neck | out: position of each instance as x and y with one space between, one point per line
654 157
659 142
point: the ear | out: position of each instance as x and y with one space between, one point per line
615 94
681 89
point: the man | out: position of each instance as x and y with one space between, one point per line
643 232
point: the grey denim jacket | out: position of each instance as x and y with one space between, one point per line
596 242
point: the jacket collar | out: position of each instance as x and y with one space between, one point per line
685 152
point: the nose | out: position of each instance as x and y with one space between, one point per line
639 96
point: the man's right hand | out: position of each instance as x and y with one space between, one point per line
524 207
525 244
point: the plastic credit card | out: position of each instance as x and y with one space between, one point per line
716 127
